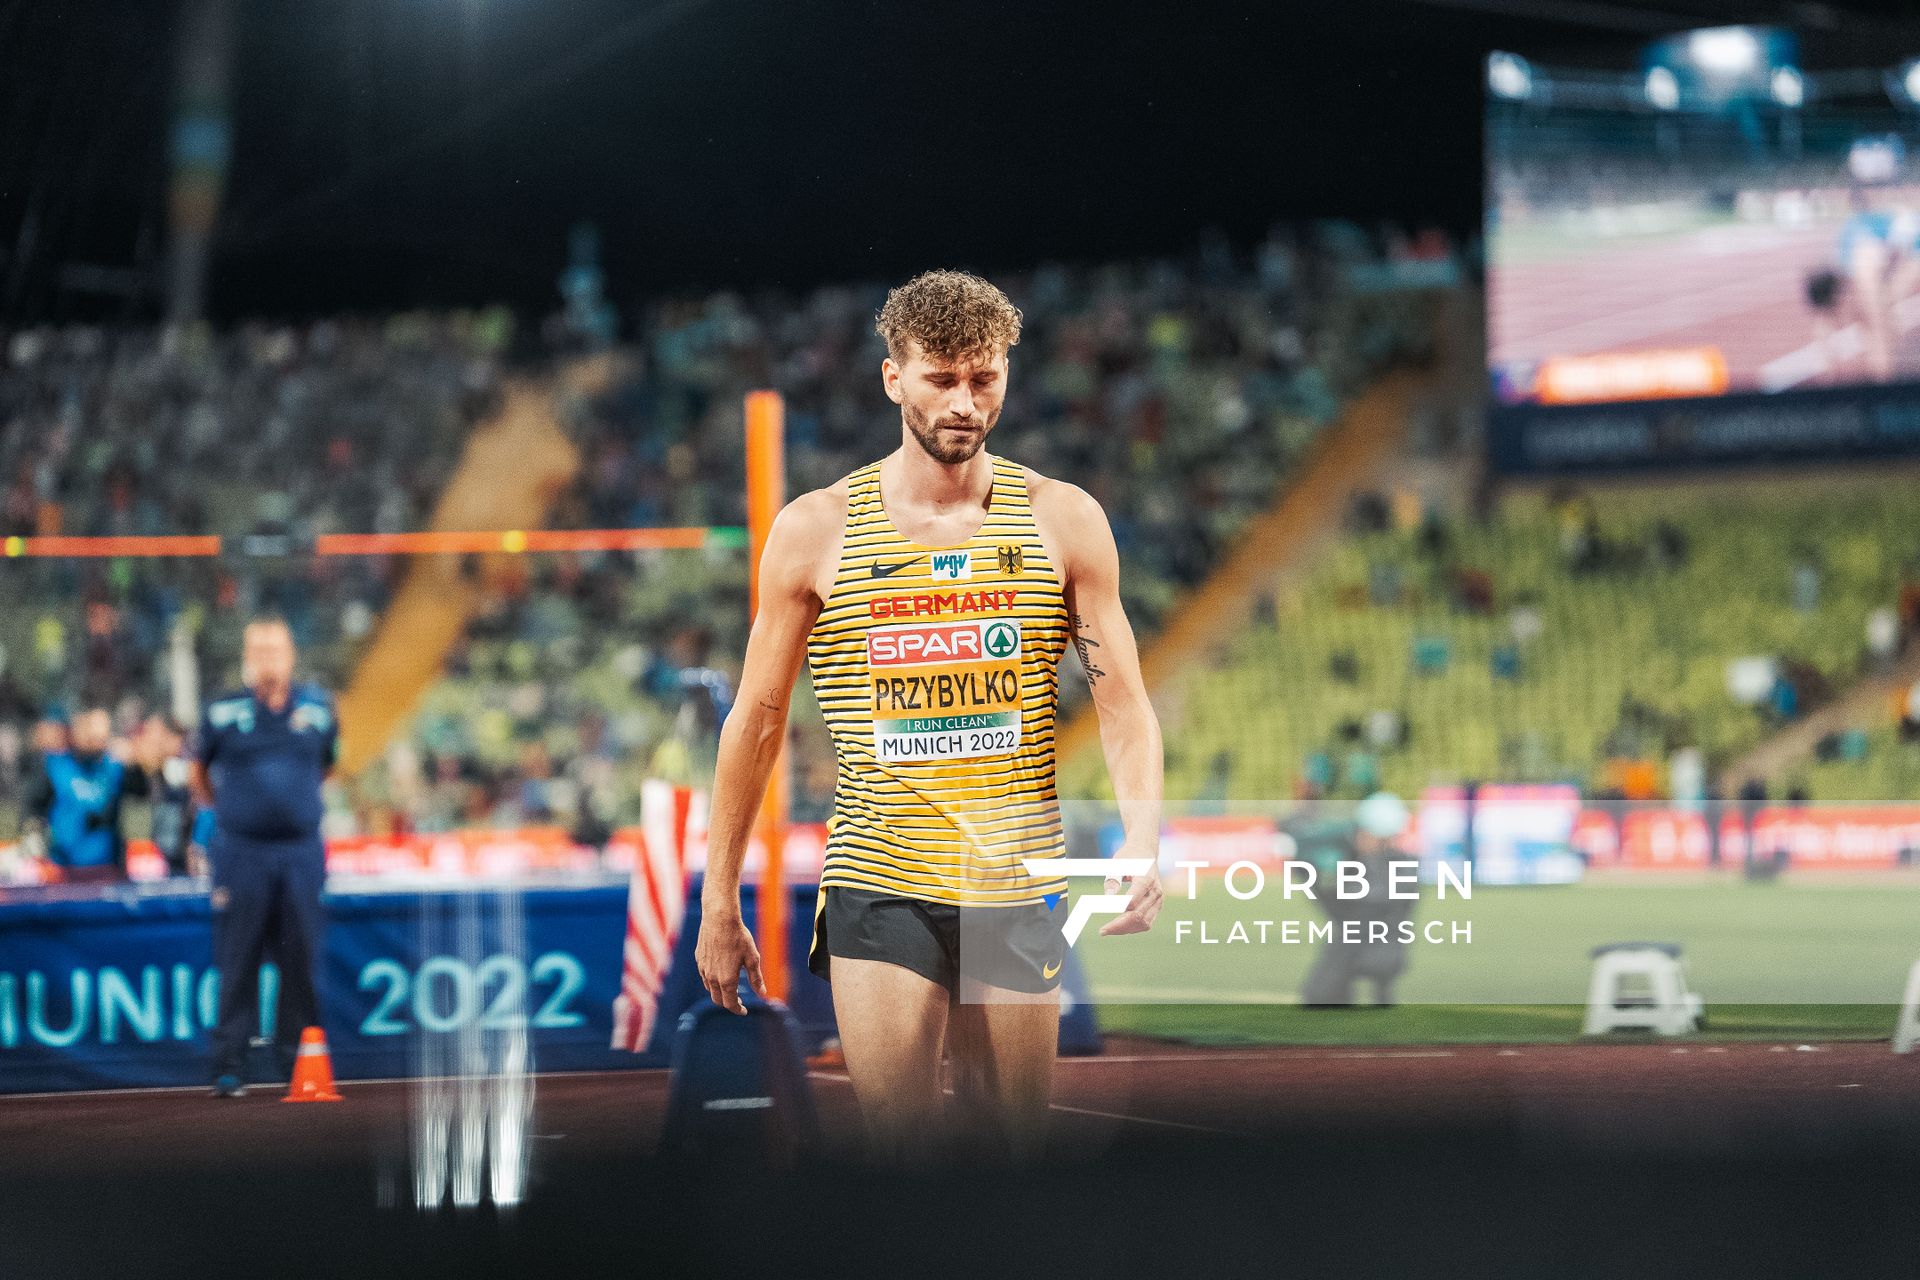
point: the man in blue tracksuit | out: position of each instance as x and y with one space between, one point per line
263 754
79 796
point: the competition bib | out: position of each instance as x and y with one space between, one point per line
945 690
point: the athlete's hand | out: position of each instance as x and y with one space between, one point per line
1143 901
722 950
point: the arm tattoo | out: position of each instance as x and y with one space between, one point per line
1083 644
771 703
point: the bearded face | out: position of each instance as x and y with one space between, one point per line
949 442
949 407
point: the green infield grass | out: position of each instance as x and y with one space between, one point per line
1802 957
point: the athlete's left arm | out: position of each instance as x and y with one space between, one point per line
1129 729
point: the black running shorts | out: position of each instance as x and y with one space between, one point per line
1018 948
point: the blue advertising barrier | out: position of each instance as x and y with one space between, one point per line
118 990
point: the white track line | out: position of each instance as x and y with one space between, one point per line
1193 995
262 1089
1061 1106
1281 1053
1115 1115
1811 360
108 1093
1186 1057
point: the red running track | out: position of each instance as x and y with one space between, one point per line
1627 1159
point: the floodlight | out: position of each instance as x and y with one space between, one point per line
1663 88
1724 51
1787 87
1509 76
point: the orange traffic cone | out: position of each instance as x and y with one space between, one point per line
830 1057
312 1070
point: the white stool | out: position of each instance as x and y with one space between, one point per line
1906 1032
1667 1008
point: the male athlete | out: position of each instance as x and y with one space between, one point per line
932 594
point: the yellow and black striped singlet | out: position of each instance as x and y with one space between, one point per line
937 669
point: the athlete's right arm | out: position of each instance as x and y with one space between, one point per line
755 728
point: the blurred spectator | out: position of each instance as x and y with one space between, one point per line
79 801
180 829
1357 950
1805 581
1883 636
1212 798
1687 778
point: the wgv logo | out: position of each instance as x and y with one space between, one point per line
1106 904
952 566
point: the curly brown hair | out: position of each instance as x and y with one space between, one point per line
951 314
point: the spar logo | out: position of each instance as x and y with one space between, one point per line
1089 905
943 642
952 566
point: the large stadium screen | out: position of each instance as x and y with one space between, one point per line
1712 236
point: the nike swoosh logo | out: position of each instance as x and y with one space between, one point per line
887 571
1047 971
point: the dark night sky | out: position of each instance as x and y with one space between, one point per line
401 152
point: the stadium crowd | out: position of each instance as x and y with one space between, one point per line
1639 641
1178 391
